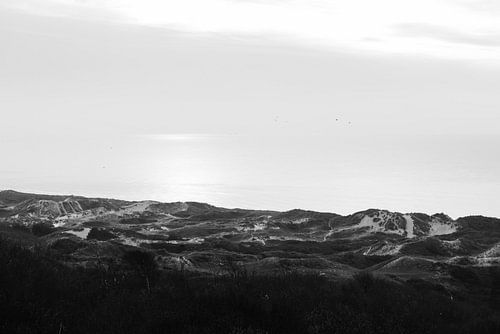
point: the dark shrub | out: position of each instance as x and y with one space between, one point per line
100 234
41 295
66 245
144 264
41 229
464 274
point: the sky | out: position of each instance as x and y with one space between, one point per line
327 105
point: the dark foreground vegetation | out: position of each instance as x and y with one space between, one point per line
40 295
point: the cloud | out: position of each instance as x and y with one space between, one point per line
364 26
446 34
487 6
76 9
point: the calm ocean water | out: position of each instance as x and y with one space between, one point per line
458 175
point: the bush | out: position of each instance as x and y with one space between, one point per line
100 234
41 229
39 295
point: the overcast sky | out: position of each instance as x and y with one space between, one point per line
182 99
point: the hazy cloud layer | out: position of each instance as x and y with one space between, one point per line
487 6
447 35
358 25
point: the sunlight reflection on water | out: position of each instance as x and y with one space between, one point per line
458 175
